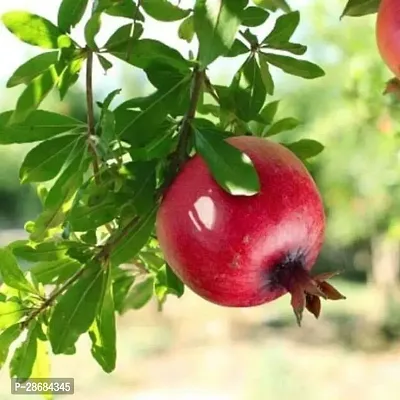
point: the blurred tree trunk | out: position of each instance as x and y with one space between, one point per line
384 276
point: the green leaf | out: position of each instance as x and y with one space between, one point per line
358 8
32 68
103 331
122 37
70 13
53 272
92 28
39 125
139 295
58 201
186 29
69 76
41 366
7 337
294 48
51 250
76 309
10 313
285 124
305 148
254 16
148 52
294 66
168 283
45 160
83 218
34 93
11 273
248 90
22 361
106 65
266 74
237 49
163 10
216 23
284 28
35 30
122 282
135 238
233 170
273 5
269 111
141 189
251 39
124 8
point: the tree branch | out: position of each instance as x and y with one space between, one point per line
180 157
90 115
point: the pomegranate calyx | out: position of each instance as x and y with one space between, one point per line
306 292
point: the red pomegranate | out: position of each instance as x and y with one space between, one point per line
243 251
388 33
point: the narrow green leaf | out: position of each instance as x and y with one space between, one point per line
233 170
11 273
248 90
216 23
35 30
45 160
305 148
10 313
186 29
285 124
41 366
139 295
237 49
253 16
124 8
273 5
284 28
294 48
53 272
168 283
148 52
70 13
294 66
32 68
7 337
92 28
122 282
163 10
39 125
135 238
34 93
69 76
75 311
22 361
83 218
106 64
123 37
359 8
269 111
266 74
103 331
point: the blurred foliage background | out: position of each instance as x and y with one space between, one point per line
194 350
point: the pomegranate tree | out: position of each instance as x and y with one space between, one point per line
242 251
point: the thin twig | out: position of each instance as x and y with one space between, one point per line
210 89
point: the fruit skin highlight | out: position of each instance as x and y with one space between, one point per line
388 34
243 251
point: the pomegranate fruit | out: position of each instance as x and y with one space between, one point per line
243 251
388 34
